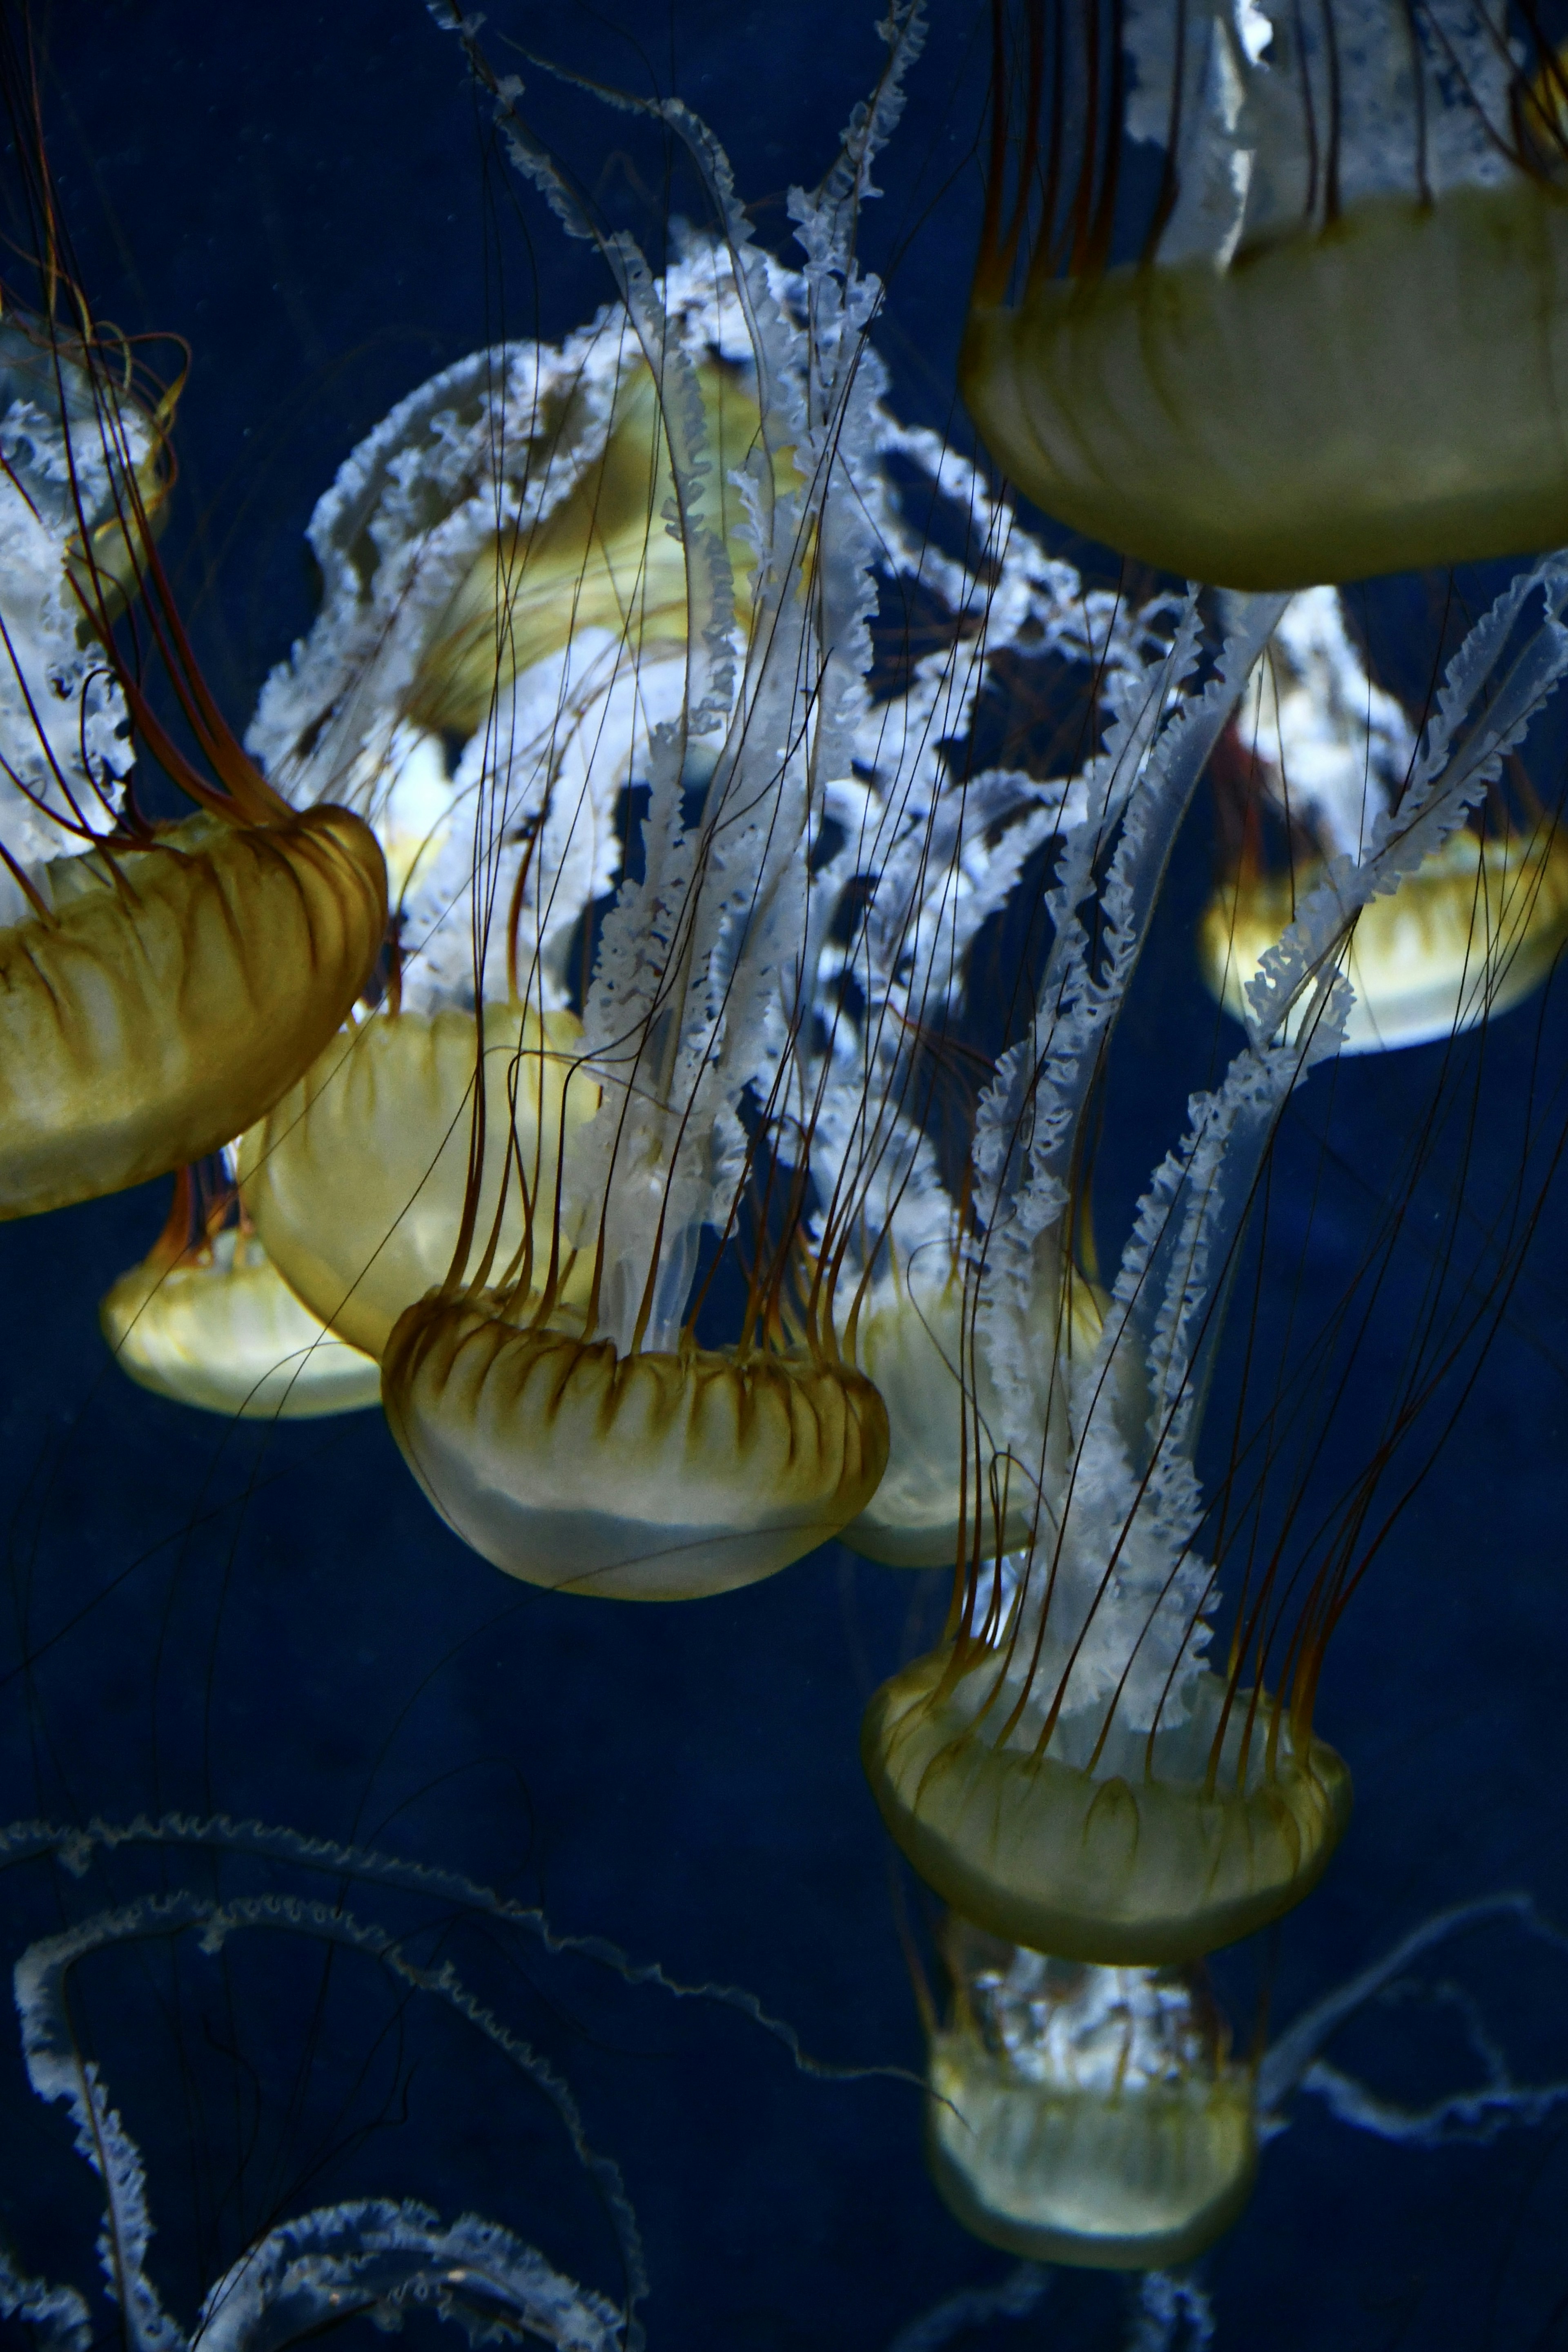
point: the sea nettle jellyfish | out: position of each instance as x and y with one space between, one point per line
160 984
501 1184
1318 752
1270 296
1067 1769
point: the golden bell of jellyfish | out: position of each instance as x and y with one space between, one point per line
600 559
1083 2115
1155 1851
168 990
160 987
659 1475
213 1325
947 1492
1324 751
357 1180
1342 346
1469 936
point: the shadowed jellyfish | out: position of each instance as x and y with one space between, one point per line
1291 305
1469 935
206 1318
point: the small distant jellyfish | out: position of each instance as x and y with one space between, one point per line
1066 1769
207 1319
1268 296
1084 2115
1471 934
160 984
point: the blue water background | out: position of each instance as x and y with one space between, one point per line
273 1624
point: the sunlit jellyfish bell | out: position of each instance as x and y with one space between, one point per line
1318 752
1067 1769
1268 296
162 983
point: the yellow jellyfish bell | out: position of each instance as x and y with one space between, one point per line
212 1323
601 559
656 1475
1155 1850
357 1181
168 989
1082 2115
1472 933
165 984
1342 346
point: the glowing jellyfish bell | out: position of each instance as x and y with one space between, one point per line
1085 2114
1320 748
160 984
1066 1770
1292 300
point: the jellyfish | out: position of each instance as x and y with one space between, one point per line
1087 2114
207 1320
1471 934
1098 2118
162 983
1066 1770
1288 308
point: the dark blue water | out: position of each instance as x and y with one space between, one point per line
271 1624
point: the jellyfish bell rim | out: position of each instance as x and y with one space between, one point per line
1090 1867
297 1370
1091 383
517 1496
1045 2239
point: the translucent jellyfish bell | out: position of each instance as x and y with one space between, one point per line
1474 931
212 1323
1087 2116
1341 348
162 984
1066 1769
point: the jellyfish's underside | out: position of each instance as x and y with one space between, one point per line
1125 2174
1379 395
650 1476
602 558
173 994
1118 1867
357 1180
944 1417
224 1332
1470 934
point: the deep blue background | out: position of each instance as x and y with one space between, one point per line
272 1624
